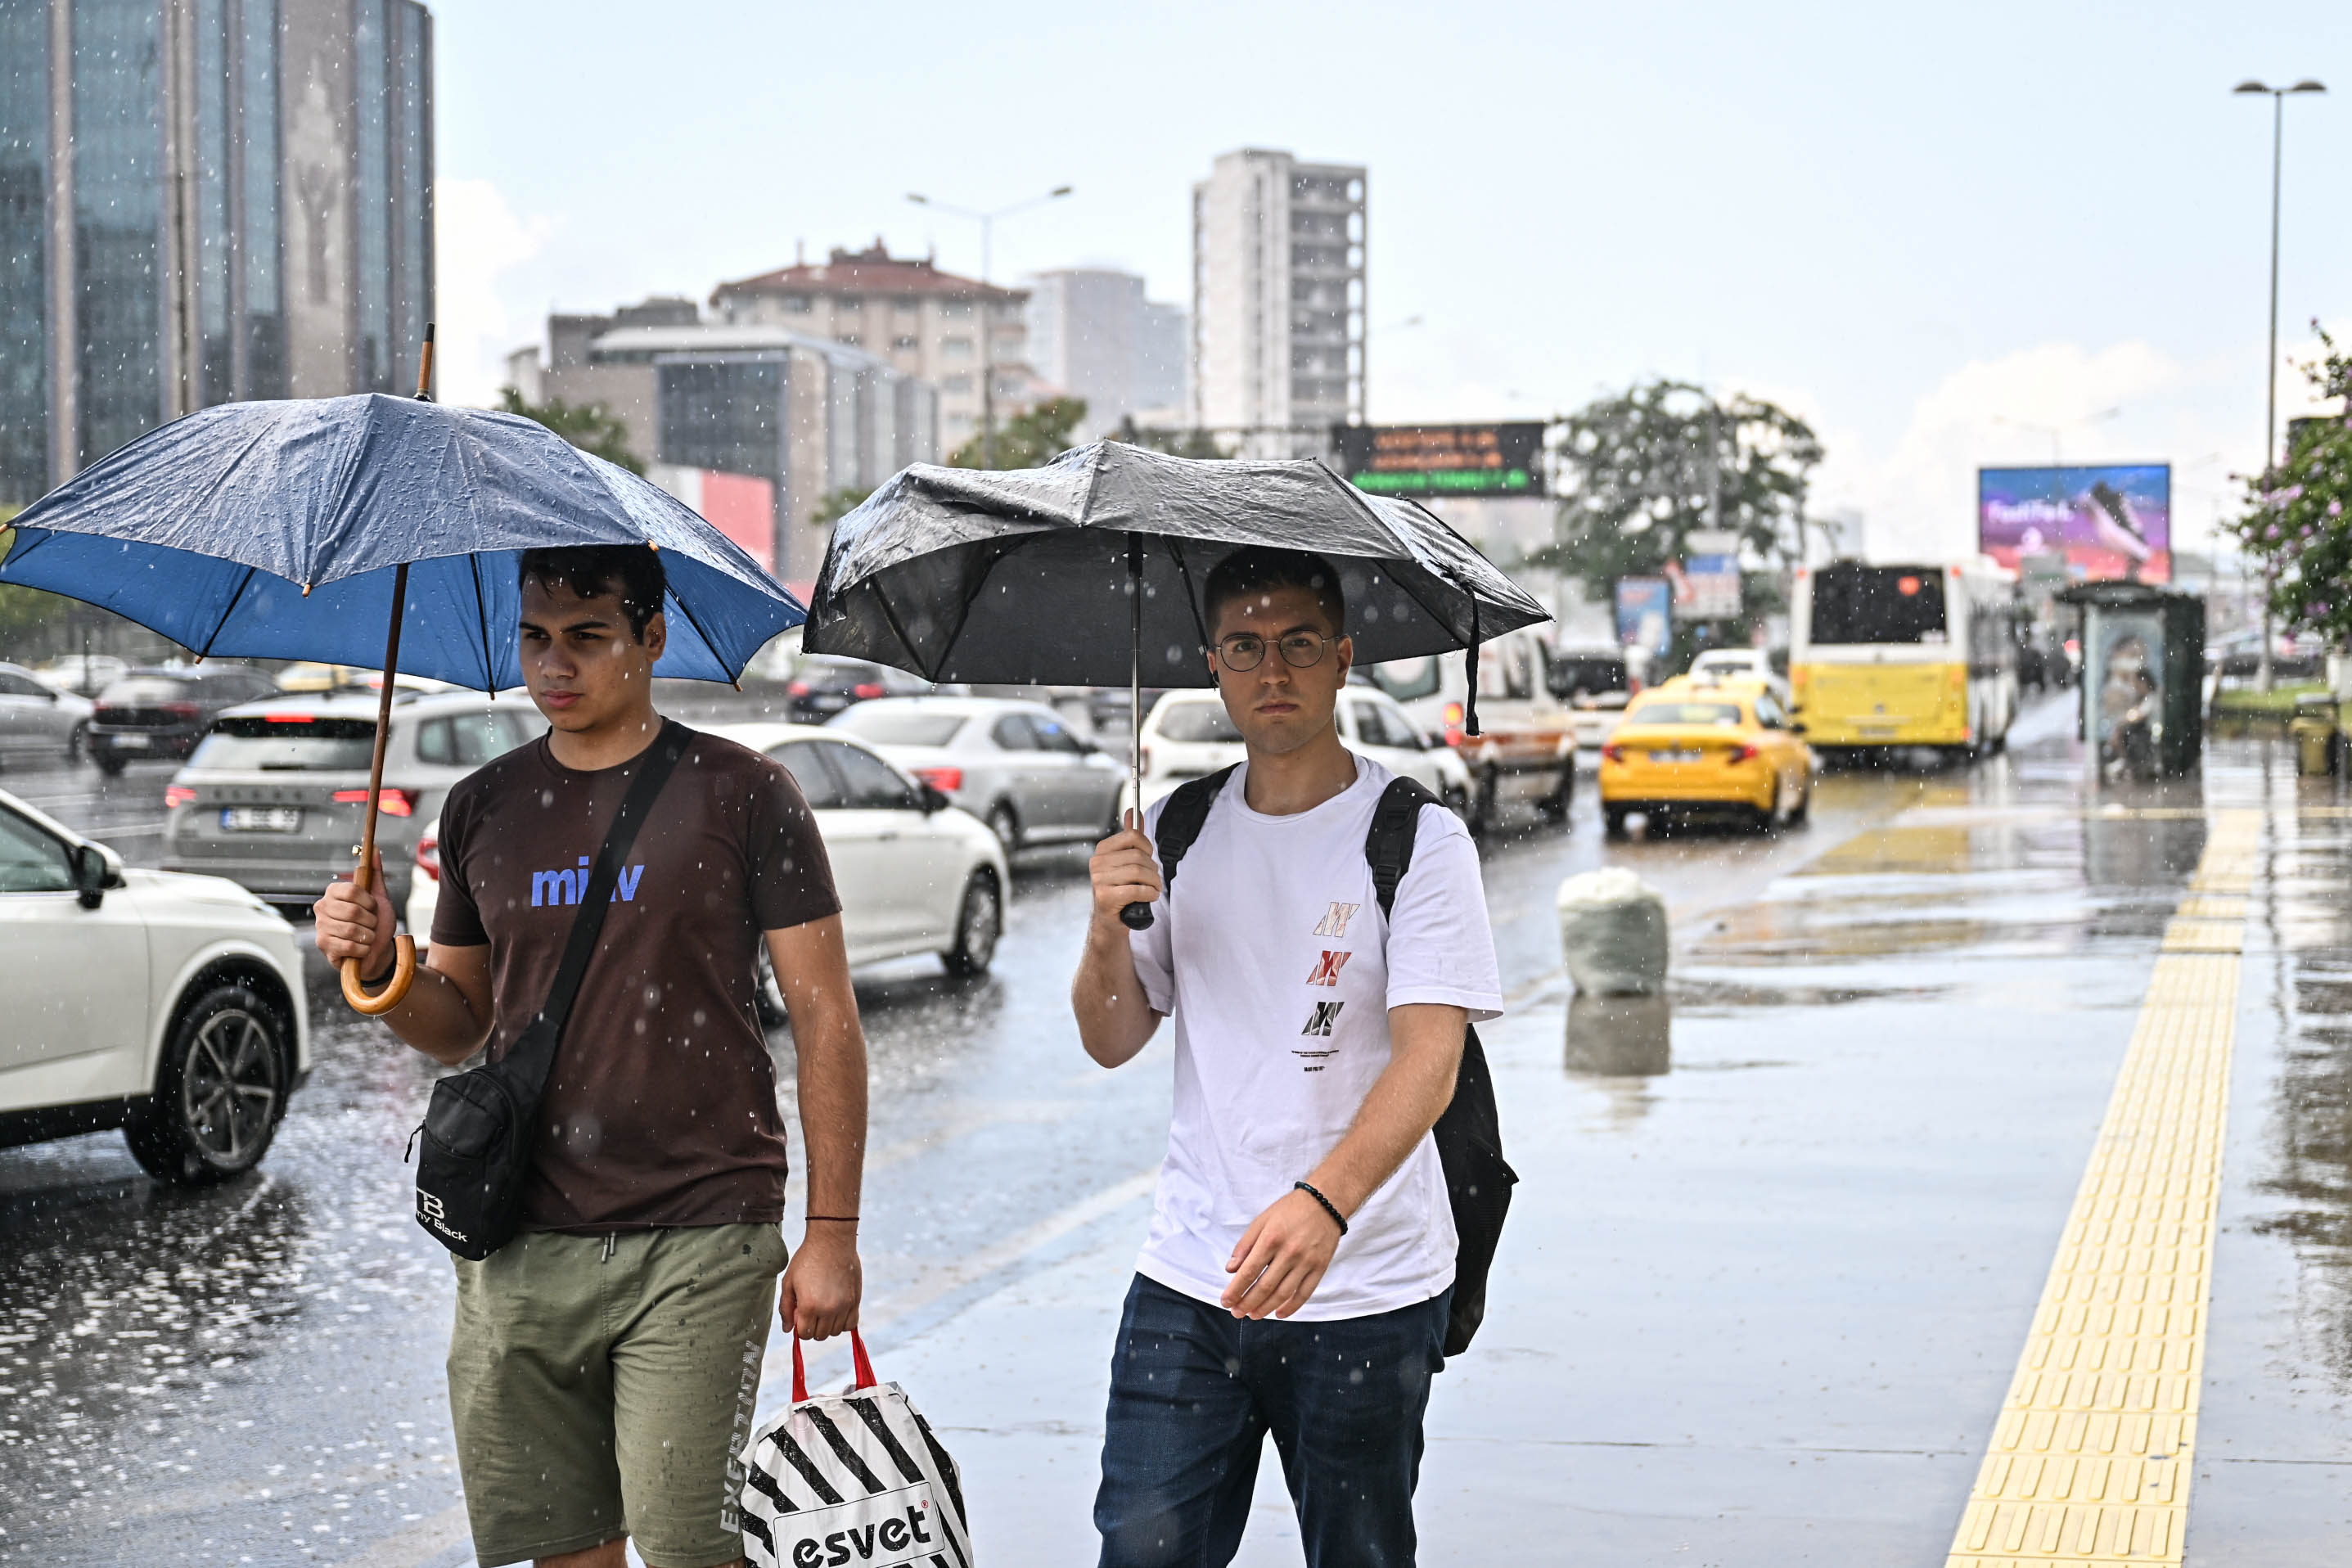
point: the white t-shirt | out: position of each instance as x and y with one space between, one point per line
1272 957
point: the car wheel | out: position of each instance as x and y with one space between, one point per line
111 763
78 743
979 923
767 995
1802 812
1005 825
220 1095
1614 817
1484 792
1556 804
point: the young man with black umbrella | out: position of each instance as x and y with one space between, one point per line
604 1362
1297 1275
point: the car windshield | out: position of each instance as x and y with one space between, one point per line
288 742
901 726
1665 711
142 691
1571 674
1196 723
1878 605
818 677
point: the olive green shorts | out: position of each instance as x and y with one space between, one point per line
603 1386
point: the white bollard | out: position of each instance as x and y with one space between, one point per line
1612 933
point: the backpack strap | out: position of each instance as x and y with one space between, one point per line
1388 847
1181 819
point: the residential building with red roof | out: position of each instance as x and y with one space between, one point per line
904 311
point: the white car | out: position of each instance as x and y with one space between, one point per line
1721 664
915 874
170 1006
1188 734
1018 766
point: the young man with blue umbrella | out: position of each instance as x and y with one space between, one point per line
604 1362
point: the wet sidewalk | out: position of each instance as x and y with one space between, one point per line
1778 1247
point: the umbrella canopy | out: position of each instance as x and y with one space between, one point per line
1021 576
273 531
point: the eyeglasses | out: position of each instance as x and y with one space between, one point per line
1244 651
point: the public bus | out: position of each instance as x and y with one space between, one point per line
1882 656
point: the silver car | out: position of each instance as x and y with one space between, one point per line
273 794
1018 766
38 720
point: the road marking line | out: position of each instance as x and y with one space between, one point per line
2090 1458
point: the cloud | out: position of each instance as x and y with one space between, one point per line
2204 417
477 239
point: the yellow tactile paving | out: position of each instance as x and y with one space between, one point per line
2090 1458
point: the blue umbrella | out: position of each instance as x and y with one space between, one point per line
338 527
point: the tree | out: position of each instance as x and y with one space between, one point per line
1030 438
832 509
1175 443
2295 522
586 425
1644 469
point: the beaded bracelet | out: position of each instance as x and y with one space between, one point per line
1328 1206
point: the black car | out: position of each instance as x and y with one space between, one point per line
821 687
164 712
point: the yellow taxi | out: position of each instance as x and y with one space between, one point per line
1690 746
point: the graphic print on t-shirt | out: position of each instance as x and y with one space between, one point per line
1326 969
1336 922
566 886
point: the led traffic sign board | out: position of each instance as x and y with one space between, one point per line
1444 459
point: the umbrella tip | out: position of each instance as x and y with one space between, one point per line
306 590
654 547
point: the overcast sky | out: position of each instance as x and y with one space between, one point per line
1906 223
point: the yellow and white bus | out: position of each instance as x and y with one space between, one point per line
1905 656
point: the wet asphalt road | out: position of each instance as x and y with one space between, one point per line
253 1373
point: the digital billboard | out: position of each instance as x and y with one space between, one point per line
1444 459
2106 522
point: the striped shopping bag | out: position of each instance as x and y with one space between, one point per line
854 1478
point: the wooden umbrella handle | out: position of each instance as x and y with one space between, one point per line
395 991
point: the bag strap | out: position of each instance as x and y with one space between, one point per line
1388 847
534 1053
856 1354
1181 819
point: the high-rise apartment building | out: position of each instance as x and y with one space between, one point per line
203 201
928 324
1092 334
1278 300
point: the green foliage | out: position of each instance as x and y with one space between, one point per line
25 613
2298 518
1028 440
833 508
1175 443
1638 476
586 425
1638 469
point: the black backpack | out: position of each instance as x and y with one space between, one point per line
1469 1135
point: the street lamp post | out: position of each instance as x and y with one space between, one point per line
987 221
2278 97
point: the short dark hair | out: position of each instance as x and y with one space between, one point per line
590 570
1260 568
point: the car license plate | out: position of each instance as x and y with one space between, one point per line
262 818
1677 756
129 743
1879 731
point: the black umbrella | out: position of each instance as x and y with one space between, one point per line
1088 571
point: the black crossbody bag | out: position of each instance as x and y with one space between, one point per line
1469 1135
481 1127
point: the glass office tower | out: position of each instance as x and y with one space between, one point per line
203 201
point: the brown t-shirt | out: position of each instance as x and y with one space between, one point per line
662 1107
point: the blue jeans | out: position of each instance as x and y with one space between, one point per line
1194 1392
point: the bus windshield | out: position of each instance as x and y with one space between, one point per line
1854 603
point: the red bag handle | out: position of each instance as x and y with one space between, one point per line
865 1378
